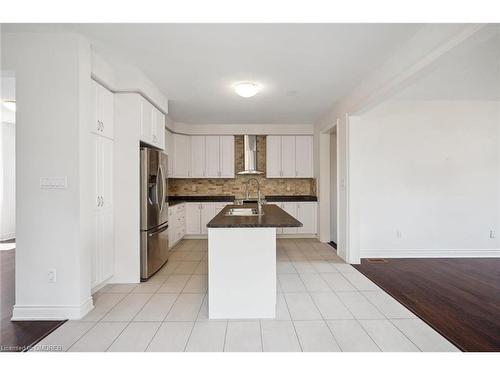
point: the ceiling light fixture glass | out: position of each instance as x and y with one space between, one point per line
246 89
10 105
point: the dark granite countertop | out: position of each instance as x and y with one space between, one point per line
274 217
291 198
174 199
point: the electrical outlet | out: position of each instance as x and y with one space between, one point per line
193 188
398 234
493 233
52 275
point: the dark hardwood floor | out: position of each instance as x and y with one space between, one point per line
460 298
17 336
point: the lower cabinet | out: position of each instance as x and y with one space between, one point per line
199 214
305 212
176 223
102 220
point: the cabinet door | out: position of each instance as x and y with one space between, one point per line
107 106
106 173
212 156
290 208
288 156
304 156
102 111
94 249
197 156
159 129
96 172
193 218
169 148
96 108
226 156
146 121
106 246
306 214
181 156
273 156
207 214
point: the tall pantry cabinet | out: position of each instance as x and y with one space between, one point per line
102 229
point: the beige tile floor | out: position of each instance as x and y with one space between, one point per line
323 304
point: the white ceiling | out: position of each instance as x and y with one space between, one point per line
304 68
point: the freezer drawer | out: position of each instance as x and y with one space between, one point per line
154 250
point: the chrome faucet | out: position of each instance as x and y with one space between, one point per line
259 200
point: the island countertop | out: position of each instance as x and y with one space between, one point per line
274 217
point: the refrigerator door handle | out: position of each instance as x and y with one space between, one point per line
159 230
162 179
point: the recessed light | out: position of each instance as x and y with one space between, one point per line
246 89
10 105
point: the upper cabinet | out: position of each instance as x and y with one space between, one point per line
304 156
103 113
152 125
199 156
180 156
289 156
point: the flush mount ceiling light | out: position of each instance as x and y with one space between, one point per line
246 89
10 105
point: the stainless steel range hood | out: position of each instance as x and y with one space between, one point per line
250 155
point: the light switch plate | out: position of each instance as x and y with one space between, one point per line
53 182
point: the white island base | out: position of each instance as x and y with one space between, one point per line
241 273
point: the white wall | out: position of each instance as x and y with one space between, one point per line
430 170
333 186
52 81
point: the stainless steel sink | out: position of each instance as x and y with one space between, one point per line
243 212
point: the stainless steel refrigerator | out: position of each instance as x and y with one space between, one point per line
154 211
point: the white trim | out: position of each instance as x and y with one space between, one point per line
55 312
430 253
7 236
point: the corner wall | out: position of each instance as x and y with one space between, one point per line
52 81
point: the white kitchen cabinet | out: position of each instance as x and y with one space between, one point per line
306 214
289 156
226 156
291 209
159 129
152 125
197 155
176 223
273 156
193 218
103 111
180 167
147 121
169 149
212 156
304 156
207 214
102 242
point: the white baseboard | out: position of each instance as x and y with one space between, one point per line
7 236
297 235
52 312
430 253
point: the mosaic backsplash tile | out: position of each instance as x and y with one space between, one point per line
236 186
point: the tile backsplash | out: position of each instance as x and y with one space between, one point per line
236 186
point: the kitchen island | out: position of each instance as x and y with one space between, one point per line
242 262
